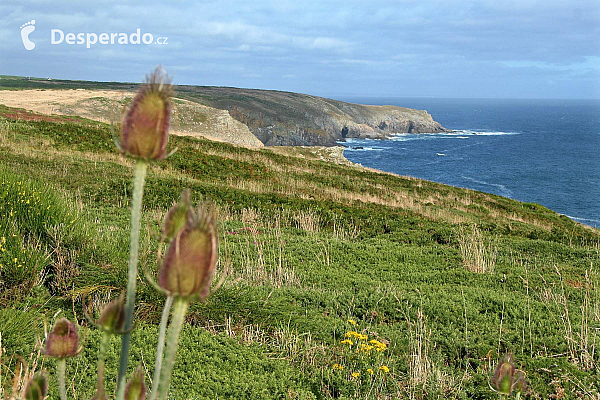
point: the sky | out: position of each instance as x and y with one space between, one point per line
399 48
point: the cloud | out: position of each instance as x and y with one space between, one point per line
433 47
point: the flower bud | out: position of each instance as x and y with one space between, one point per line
37 387
63 341
145 128
180 215
136 387
112 318
503 376
191 258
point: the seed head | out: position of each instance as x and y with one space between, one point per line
112 318
37 387
191 257
180 215
63 341
503 376
145 128
136 387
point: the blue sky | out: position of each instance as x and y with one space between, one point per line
447 48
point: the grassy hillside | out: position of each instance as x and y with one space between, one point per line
447 279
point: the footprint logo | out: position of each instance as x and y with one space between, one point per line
26 29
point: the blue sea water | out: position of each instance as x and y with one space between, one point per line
541 151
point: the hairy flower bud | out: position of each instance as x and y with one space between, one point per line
63 341
180 215
191 258
503 376
136 387
37 387
112 318
145 128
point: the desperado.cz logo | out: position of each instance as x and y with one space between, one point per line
57 36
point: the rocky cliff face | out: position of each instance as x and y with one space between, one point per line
283 118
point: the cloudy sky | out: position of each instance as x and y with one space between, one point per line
445 48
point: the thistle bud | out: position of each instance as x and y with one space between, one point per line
145 128
503 376
180 215
136 387
63 341
112 318
37 387
191 258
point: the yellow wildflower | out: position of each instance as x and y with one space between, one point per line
338 367
347 341
370 371
355 375
384 368
353 322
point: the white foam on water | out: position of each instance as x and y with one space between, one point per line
506 192
596 222
366 148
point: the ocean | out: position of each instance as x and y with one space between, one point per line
540 151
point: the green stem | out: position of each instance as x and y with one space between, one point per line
61 367
160 347
179 310
136 211
101 360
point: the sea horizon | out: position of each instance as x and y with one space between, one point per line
515 148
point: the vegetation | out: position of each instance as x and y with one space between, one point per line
432 284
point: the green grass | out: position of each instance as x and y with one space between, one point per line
312 244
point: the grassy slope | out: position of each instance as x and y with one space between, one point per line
312 245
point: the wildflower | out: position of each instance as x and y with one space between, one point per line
191 258
384 368
178 216
351 334
37 387
507 379
145 128
378 345
351 321
347 341
112 318
370 371
136 387
365 348
355 375
337 367
63 341
503 376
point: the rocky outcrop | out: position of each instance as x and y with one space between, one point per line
291 119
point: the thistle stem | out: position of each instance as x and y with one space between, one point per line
179 310
61 367
136 210
160 347
101 360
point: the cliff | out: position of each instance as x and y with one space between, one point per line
284 118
